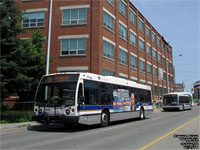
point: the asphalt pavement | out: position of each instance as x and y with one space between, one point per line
155 132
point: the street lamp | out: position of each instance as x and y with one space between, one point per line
167 62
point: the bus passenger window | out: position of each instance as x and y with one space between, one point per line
105 94
91 92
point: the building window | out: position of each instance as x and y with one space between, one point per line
149 69
74 16
108 50
154 54
122 31
153 37
142 65
155 90
163 45
73 46
155 72
164 76
108 21
164 61
133 62
122 7
122 57
141 44
159 58
141 25
132 17
161 91
107 73
147 32
165 91
158 41
133 39
148 50
33 19
111 2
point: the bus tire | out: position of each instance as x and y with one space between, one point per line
105 118
142 114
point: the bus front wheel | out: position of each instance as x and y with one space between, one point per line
105 119
142 114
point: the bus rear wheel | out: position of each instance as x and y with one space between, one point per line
105 119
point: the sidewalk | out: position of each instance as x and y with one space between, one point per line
18 125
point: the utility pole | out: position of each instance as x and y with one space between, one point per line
49 37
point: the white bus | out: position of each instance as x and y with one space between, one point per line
178 100
86 98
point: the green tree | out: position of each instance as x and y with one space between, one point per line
22 61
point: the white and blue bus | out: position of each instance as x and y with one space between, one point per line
177 100
86 98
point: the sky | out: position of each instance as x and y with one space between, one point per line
179 22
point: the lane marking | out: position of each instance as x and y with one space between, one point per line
167 134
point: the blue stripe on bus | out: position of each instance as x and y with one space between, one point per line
143 104
99 107
95 107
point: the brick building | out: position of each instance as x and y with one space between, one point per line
109 37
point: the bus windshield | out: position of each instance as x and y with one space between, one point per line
54 92
170 99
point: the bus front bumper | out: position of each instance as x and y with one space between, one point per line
55 119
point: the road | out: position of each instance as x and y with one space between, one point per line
156 132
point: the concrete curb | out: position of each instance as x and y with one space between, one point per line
18 125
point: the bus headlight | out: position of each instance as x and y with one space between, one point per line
40 111
67 111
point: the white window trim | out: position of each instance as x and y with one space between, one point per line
142 59
158 38
123 75
163 56
105 10
141 80
148 27
155 84
141 19
122 48
164 86
149 63
73 36
153 33
141 38
122 23
134 78
35 10
155 66
133 32
149 82
159 53
84 68
160 86
108 40
74 7
154 49
124 2
132 11
148 44
133 54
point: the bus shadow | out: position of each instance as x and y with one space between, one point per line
173 110
75 128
